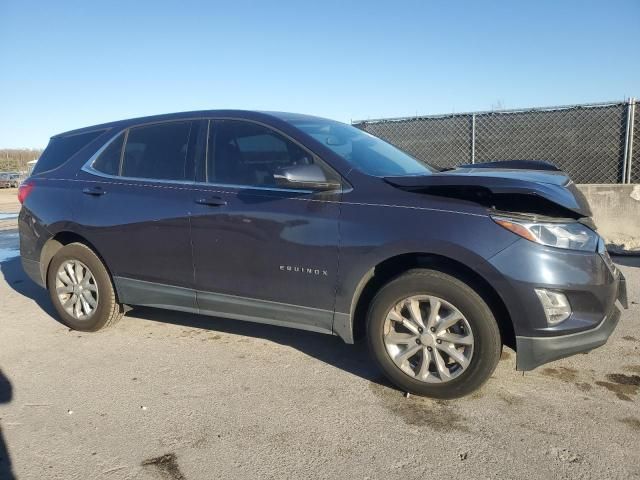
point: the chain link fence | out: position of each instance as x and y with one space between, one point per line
634 164
589 142
440 141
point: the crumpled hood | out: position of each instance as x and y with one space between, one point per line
549 184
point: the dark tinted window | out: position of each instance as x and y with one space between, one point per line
157 151
109 160
244 153
61 149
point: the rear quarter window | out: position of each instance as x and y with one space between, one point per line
61 149
109 160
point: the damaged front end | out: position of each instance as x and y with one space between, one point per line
519 188
561 299
532 199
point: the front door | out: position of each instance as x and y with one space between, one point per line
262 252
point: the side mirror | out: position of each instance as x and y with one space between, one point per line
305 177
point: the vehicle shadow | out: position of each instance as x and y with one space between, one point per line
326 348
16 278
6 394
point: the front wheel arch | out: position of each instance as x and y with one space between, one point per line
469 334
385 271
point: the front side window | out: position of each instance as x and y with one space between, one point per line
245 153
157 151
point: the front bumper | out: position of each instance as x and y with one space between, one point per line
591 283
536 351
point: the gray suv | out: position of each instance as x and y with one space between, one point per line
304 222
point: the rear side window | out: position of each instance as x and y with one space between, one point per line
157 151
61 149
109 160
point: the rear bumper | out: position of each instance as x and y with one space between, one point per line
32 269
535 351
33 236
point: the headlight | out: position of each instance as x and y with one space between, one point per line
572 236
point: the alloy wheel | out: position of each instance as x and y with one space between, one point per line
77 289
428 338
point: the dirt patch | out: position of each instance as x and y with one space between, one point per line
583 386
621 391
477 395
630 338
166 465
564 455
632 368
505 355
624 386
623 379
510 399
633 422
437 414
564 374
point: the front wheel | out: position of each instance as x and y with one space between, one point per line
433 335
81 289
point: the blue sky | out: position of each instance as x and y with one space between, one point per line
67 64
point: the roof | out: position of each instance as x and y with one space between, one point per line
240 114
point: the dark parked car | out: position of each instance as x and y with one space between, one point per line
303 222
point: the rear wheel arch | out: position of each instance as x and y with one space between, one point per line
83 294
54 244
385 271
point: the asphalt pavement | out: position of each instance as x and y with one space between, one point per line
168 395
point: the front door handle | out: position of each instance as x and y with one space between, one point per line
211 201
95 191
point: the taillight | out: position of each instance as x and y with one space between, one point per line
24 190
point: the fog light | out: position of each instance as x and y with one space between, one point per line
556 305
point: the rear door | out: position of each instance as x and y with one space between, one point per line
262 252
133 202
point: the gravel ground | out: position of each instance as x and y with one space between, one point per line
167 395
9 201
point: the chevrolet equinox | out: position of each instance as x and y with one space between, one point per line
304 222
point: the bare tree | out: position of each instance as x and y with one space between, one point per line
15 160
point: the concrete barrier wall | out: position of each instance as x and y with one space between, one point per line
616 211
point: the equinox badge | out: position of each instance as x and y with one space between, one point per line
307 270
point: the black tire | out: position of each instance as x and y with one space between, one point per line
108 311
487 342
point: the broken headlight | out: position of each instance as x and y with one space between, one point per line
569 235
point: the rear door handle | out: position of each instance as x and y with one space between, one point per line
211 201
95 191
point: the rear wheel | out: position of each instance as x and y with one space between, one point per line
433 335
81 289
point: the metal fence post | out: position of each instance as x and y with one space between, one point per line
632 107
628 143
473 138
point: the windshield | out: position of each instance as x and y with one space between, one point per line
365 152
